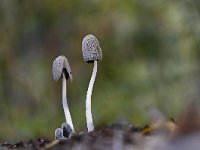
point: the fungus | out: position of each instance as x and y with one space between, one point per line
91 54
59 134
67 130
64 132
61 69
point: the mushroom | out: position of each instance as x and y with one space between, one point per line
59 134
64 132
61 69
91 54
67 130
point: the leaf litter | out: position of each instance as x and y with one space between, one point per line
162 134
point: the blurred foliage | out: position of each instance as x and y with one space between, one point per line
150 60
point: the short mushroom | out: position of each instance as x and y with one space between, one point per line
61 69
91 54
67 130
64 132
59 134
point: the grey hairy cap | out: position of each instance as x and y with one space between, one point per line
61 65
67 130
91 49
59 134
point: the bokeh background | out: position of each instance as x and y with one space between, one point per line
151 58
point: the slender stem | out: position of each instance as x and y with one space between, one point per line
65 105
89 118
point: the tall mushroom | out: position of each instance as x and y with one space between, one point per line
91 54
61 69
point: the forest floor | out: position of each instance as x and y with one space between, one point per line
162 134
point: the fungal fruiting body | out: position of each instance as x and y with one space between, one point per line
91 54
61 69
67 130
59 134
64 132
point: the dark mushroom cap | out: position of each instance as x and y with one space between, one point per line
91 49
67 130
60 65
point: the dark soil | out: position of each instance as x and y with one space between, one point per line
160 135
101 138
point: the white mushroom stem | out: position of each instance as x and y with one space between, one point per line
64 100
89 118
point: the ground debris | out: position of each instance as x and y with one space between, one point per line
163 134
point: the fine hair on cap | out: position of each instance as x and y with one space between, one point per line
91 49
61 65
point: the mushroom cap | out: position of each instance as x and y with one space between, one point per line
67 130
61 65
59 134
91 49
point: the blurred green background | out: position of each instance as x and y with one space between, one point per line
151 57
